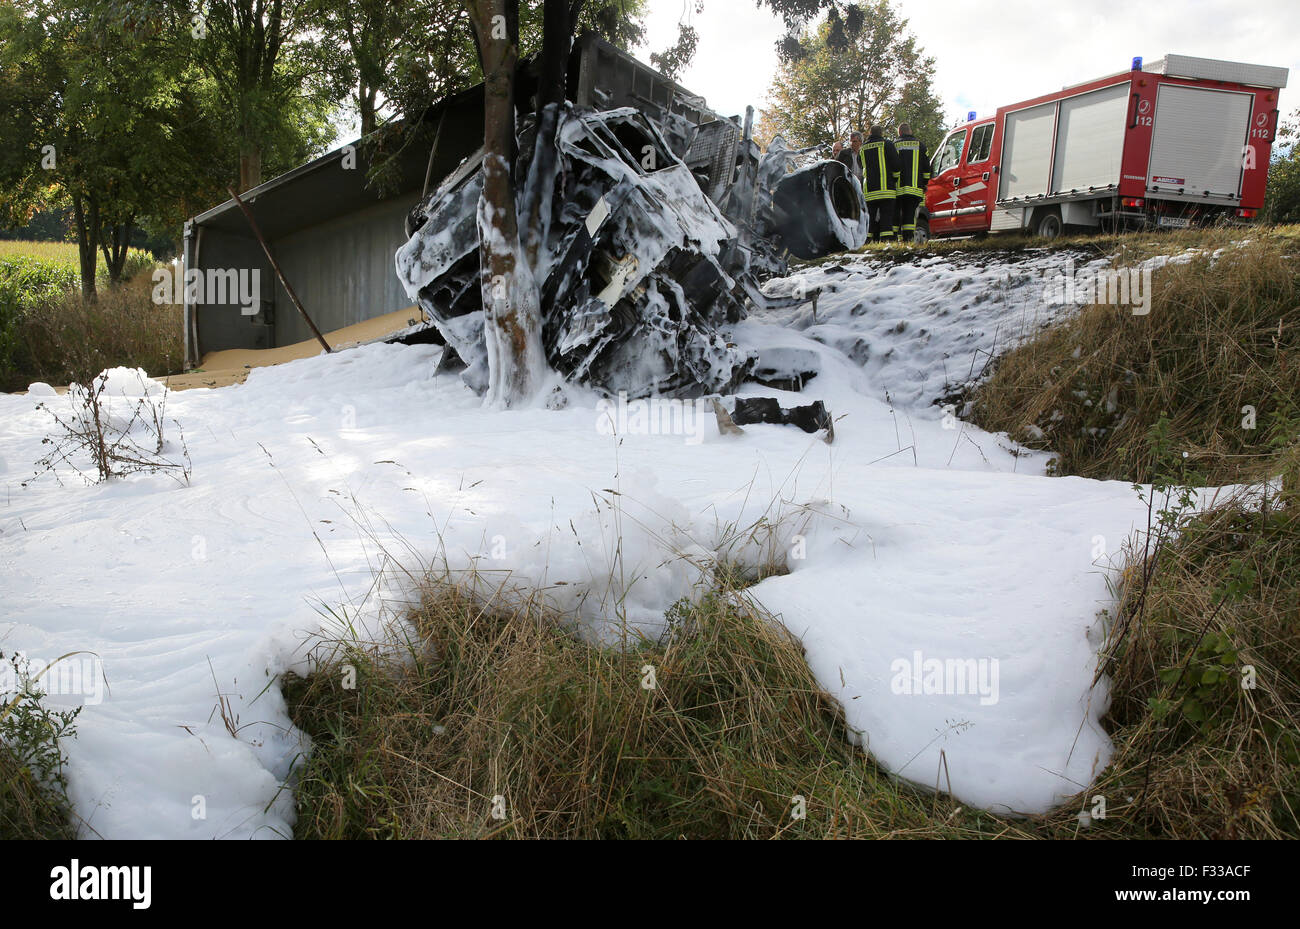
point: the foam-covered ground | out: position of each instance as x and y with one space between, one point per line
914 539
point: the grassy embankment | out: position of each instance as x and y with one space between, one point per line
1205 644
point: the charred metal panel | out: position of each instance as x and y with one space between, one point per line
640 268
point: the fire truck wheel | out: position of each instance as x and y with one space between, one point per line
1047 223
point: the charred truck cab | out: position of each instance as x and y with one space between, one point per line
663 220
1178 142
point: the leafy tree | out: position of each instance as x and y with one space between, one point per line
1282 204
90 107
395 61
265 61
672 61
848 72
104 111
392 58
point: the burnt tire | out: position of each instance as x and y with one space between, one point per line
819 210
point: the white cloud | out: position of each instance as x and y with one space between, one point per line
993 52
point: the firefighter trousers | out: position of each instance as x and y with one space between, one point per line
905 222
881 215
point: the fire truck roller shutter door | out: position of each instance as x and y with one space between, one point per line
1027 151
1198 139
1090 139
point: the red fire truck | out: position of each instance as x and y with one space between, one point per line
1176 142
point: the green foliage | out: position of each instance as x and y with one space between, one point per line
49 333
263 80
136 114
97 106
1282 424
25 284
1175 480
33 785
1204 686
1282 205
395 61
673 60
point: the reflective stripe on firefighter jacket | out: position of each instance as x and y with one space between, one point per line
913 166
879 162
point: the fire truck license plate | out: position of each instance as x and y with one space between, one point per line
1178 222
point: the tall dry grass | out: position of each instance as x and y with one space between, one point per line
1219 354
505 724
1205 661
1204 643
67 339
28 808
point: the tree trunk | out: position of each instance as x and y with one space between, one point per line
86 216
114 242
512 327
366 104
557 39
250 165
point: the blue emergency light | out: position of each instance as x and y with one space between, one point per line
970 117
1137 63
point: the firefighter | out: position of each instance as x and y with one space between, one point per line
914 171
879 160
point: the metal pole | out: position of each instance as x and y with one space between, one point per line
433 150
187 333
751 176
278 273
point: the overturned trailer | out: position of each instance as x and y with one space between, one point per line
664 218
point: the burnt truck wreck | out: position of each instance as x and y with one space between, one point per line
664 219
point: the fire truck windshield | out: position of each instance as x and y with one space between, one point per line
950 154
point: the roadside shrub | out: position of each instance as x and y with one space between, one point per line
1203 648
95 439
47 333
1205 663
33 788
26 284
1282 204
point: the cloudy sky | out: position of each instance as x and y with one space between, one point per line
993 52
